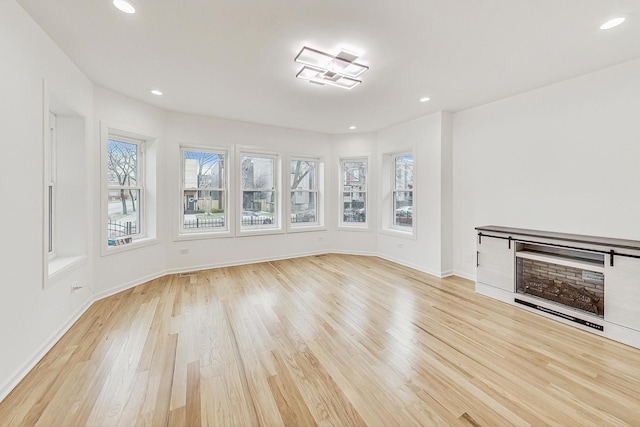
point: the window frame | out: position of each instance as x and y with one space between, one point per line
276 227
387 187
318 224
139 187
393 172
354 225
50 173
146 177
224 231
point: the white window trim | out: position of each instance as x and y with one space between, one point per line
227 230
140 181
388 226
354 226
50 187
278 198
70 251
319 225
142 239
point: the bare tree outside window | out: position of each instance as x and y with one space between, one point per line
124 187
122 166
304 191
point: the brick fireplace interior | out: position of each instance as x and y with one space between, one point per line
571 278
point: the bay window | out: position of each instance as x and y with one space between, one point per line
204 191
353 193
402 189
259 188
125 189
304 192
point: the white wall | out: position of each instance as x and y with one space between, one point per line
122 269
31 316
355 239
211 132
429 138
562 158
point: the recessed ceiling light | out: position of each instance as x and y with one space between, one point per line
157 92
424 99
124 6
352 127
612 23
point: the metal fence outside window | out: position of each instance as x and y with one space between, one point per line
121 229
204 223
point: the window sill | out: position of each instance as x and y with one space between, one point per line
260 232
305 228
59 265
361 226
136 244
203 236
407 234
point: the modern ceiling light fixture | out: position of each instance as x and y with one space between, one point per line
124 6
611 23
425 99
326 77
157 92
322 68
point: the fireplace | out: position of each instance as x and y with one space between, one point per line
574 279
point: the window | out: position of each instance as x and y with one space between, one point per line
50 189
402 190
125 189
259 192
204 190
304 192
65 186
354 191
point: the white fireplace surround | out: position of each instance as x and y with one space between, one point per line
618 260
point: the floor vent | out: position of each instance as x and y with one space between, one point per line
188 274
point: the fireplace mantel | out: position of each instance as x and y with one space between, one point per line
562 237
540 270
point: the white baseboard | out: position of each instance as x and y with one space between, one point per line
464 275
9 385
130 284
243 262
438 274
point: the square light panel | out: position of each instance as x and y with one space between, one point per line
327 77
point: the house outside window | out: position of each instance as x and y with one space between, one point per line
353 192
402 190
258 179
204 191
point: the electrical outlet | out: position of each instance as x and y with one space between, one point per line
184 251
75 287
320 239
400 245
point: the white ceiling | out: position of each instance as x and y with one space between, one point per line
234 58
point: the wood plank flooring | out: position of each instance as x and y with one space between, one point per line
331 340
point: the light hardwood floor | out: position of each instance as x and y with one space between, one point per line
324 340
